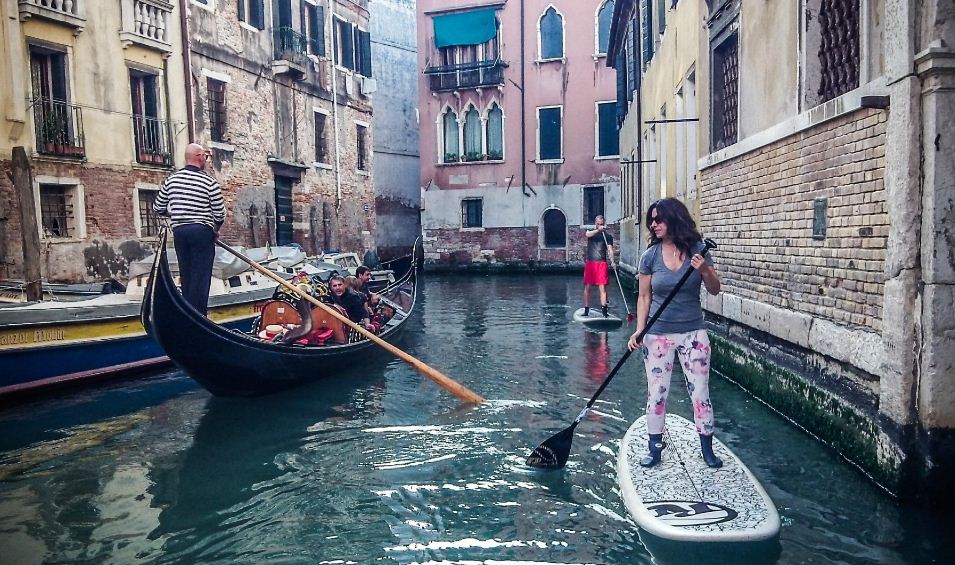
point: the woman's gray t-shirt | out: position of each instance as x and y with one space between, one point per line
684 313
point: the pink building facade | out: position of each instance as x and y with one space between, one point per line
519 147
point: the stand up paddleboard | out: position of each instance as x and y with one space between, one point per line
596 319
695 504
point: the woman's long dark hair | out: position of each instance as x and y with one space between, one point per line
680 225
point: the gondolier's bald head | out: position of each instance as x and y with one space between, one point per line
195 155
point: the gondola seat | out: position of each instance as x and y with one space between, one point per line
280 312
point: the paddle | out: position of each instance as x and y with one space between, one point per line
620 286
444 382
553 453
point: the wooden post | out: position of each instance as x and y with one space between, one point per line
23 186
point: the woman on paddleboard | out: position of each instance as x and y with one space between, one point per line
675 245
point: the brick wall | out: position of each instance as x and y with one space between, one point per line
759 209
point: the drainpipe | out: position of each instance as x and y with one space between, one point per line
523 112
338 165
187 69
638 130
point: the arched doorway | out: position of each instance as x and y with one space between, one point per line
555 229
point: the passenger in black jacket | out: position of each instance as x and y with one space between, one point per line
352 302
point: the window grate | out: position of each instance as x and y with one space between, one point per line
361 133
217 110
593 204
838 47
56 210
148 220
471 213
726 93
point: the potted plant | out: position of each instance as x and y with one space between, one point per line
473 156
51 132
450 157
495 155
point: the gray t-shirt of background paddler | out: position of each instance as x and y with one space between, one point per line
684 314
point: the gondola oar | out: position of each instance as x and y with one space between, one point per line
553 453
444 382
620 286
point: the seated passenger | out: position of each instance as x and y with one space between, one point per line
363 274
352 302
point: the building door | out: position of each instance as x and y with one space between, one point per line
555 228
283 210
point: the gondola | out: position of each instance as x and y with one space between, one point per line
232 363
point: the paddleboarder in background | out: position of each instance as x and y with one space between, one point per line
674 246
192 199
598 258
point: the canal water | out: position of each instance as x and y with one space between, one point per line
381 466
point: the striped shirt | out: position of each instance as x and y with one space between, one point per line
191 196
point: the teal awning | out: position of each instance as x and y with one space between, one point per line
465 28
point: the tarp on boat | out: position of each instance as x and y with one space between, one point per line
227 265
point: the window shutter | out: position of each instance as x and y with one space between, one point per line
364 51
257 16
241 8
621 66
316 29
348 46
646 28
550 132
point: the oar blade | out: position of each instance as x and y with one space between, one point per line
553 453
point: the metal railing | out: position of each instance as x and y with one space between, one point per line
289 45
466 75
152 141
59 128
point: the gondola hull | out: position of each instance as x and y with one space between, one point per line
229 363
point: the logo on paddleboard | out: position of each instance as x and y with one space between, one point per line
690 513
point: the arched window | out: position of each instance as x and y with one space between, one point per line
451 145
472 135
551 35
495 133
604 15
555 228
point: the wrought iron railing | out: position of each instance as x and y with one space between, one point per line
59 128
466 75
152 141
289 45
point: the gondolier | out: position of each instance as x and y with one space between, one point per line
192 199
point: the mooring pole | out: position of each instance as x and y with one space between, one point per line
23 186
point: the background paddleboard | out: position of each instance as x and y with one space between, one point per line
698 504
596 320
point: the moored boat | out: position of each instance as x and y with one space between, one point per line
50 343
235 363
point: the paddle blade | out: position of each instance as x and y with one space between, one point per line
553 453
630 318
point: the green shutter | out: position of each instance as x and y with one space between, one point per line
465 28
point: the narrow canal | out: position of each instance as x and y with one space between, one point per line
382 466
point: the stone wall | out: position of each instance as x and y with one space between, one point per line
504 247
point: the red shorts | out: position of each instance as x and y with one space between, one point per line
595 272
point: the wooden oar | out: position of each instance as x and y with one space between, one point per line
620 286
444 382
553 453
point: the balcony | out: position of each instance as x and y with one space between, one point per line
59 128
69 12
152 141
289 53
147 23
466 75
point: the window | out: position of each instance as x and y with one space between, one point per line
551 35
59 124
252 12
361 136
148 219
315 24
549 133
321 138
604 17
839 47
149 132
495 133
352 47
449 122
725 92
472 136
608 142
471 212
57 219
646 31
555 228
217 109
344 38
661 16
593 204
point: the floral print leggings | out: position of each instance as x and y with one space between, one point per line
694 351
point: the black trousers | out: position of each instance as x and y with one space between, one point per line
195 250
